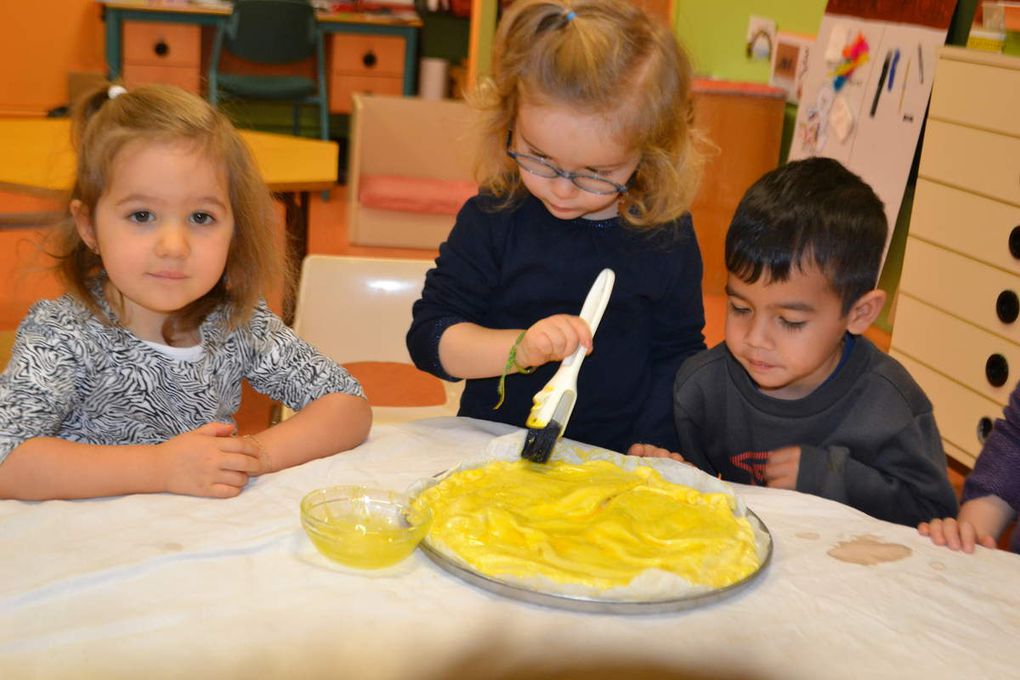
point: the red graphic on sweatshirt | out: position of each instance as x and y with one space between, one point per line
754 462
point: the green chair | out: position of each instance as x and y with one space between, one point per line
272 32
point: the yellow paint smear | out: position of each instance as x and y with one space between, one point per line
593 524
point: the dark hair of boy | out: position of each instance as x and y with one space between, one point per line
812 212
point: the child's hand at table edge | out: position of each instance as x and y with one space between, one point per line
552 339
954 534
208 461
652 451
782 467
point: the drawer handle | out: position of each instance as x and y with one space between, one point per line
370 60
997 370
1007 306
984 429
161 49
1014 242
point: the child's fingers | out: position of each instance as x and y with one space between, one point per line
968 537
554 338
232 478
951 533
216 429
651 451
583 331
647 451
937 532
638 450
924 529
224 490
236 445
540 343
553 342
248 463
988 542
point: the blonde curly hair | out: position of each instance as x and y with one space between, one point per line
596 56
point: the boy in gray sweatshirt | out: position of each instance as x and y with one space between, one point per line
795 398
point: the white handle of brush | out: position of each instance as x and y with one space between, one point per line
565 378
591 311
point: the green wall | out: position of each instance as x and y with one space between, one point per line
715 33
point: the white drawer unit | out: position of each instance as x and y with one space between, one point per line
967 424
957 325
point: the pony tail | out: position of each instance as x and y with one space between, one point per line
86 109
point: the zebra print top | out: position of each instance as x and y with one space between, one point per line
74 377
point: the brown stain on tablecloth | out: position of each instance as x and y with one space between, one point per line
869 551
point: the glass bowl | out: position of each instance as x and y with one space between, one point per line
362 527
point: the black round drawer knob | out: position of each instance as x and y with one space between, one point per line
997 370
1014 242
984 429
1007 306
162 49
369 60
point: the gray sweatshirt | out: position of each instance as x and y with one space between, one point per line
867 435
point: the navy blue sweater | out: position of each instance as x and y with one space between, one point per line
510 268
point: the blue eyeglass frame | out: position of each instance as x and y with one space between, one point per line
560 172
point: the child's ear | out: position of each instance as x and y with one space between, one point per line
83 223
865 311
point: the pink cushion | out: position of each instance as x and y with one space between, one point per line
415 194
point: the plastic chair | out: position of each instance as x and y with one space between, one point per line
272 32
357 310
407 137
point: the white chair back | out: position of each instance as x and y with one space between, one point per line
357 309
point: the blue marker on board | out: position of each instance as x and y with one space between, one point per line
892 69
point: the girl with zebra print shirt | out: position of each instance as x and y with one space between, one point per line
129 382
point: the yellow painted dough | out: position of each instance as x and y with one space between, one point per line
593 524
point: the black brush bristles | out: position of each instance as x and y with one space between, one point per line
539 442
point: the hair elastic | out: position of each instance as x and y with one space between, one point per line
115 91
569 16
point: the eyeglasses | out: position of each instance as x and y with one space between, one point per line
543 168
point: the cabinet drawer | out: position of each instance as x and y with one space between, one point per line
975 226
368 55
958 454
964 417
955 348
985 162
341 88
186 77
153 43
963 287
976 94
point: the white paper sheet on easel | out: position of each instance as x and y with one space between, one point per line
872 123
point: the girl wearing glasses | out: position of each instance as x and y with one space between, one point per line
587 163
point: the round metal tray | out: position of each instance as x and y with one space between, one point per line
592 604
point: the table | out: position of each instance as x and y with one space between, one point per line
38 159
174 586
213 14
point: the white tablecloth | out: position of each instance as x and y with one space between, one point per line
173 586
